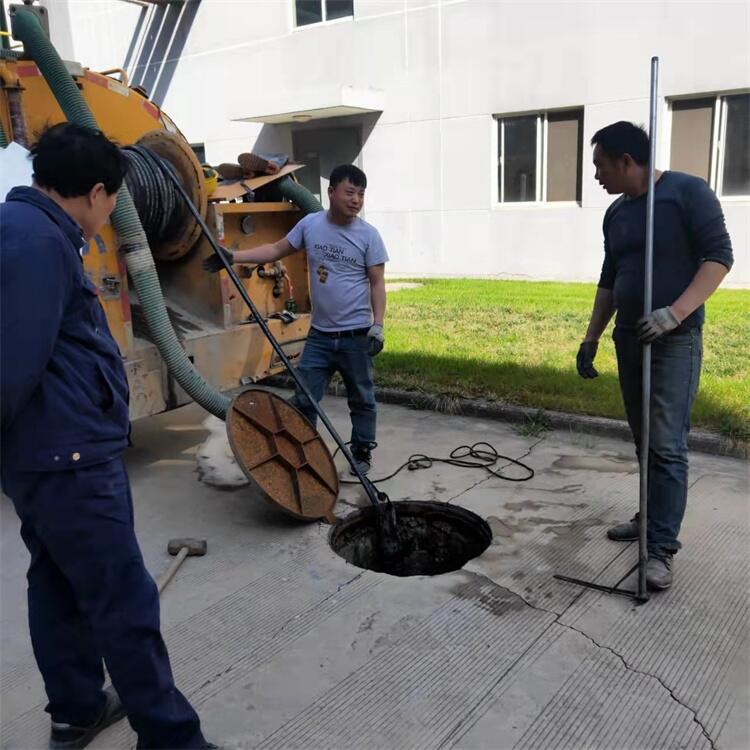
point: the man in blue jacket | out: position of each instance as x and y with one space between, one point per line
692 254
65 425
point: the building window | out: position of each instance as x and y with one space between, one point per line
317 11
199 149
540 157
711 139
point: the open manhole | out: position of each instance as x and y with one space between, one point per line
435 538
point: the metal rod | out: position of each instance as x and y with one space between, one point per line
372 493
642 590
123 74
595 586
630 572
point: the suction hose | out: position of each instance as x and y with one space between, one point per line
3 137
125 221
299 194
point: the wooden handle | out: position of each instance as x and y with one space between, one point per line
168 574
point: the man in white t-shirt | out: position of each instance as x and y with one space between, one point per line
346 260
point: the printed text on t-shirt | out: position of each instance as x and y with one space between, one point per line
335 253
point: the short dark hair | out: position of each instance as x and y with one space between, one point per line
348 172
622 138
71 159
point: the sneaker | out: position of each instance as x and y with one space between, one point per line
625 532
68 737
659 572
363 459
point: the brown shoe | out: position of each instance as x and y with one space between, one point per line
253 164
230 171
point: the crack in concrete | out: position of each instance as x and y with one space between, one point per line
491 476
631 668
696 480
317 605
628 667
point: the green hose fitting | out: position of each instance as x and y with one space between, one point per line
125 221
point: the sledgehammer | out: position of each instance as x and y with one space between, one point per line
182 548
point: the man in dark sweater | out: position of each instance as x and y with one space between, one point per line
65 425
692 254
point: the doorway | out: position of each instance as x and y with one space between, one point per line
322 149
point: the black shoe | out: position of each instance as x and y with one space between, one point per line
67 737
625 532
362 458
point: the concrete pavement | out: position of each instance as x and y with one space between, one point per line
281 644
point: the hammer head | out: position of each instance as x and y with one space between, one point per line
194 546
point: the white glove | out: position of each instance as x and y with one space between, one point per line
375 339
656 324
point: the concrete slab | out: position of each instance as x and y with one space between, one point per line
282 644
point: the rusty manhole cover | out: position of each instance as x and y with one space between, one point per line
282 455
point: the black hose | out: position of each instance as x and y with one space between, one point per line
159 207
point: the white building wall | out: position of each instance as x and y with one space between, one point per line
445 67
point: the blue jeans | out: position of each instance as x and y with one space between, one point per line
92 599
322 357
675 372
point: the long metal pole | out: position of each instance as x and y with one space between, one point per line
642 592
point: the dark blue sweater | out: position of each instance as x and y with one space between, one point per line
63 389
688 230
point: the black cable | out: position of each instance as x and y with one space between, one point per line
481 455
156 200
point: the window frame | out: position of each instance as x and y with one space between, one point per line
317 24
718 138
542 147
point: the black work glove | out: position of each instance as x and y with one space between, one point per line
656 324
585 359
213 263
375 339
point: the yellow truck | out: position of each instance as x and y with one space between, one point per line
184 334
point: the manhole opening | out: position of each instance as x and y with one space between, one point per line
435 538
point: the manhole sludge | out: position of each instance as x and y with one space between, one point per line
434 538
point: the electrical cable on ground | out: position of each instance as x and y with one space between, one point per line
480 455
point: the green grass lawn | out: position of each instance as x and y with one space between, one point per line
516 342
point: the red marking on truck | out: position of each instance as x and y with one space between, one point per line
152 109
27 70
95 78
